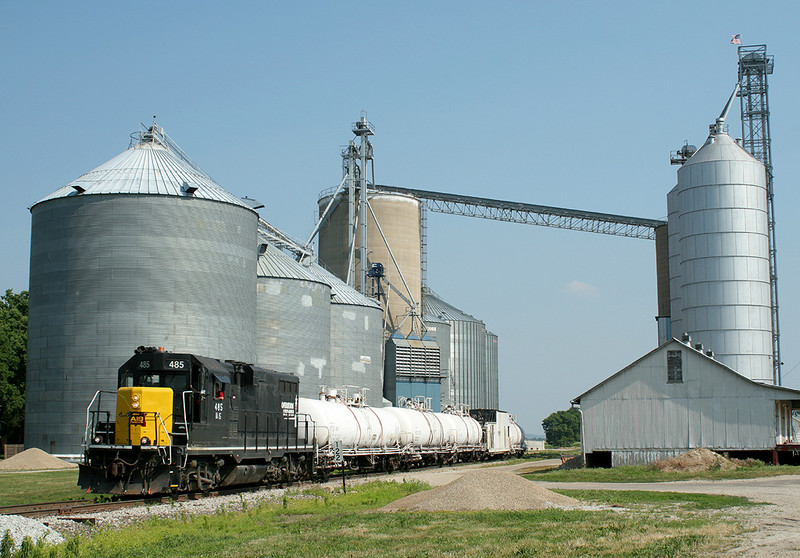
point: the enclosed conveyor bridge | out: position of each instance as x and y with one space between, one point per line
530 214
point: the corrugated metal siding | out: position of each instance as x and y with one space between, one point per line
110 273
440 332
492 395
468 362
342 293
357 349
714 407
293 322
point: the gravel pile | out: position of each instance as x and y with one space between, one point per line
34 459
483 489
20 527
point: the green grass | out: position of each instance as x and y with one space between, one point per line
320 523
686 501
643 473
31 488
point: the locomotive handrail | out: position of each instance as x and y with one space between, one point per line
89 412
185 422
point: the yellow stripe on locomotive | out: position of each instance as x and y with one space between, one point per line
144 416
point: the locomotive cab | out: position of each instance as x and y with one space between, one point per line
187 422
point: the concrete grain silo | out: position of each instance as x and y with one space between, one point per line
293 321
356 329
143 250
399 218
718 211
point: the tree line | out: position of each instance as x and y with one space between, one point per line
13 365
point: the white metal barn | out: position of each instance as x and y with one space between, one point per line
676 398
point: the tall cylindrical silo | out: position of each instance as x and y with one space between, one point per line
492 395
467 352
724 254
439 331
356 338
142 250
398 217
674 243
293 320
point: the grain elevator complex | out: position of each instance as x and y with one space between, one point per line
147 249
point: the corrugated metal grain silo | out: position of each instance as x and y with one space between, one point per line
399 219
674 243
293 320
439 331
467 352
492 380
721 206
356 338
142 250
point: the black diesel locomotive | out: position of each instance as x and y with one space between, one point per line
181 422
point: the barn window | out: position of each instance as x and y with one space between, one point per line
674 367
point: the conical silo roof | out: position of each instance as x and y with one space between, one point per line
276 263
719 147
341 292
434 309
148 168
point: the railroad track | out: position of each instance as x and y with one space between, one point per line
72 508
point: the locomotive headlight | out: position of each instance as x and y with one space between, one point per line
145 441
135 397
135 404
96 440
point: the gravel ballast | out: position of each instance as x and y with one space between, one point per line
20 527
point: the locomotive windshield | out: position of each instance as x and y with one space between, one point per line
178 381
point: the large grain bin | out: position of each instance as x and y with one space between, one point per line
142 250
356 338
439 331
399 218
293 320
492 380
468 363
719 209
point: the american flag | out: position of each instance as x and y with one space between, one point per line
736 39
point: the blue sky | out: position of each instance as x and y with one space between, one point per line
574 104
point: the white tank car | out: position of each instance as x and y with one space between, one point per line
339 418
356 426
